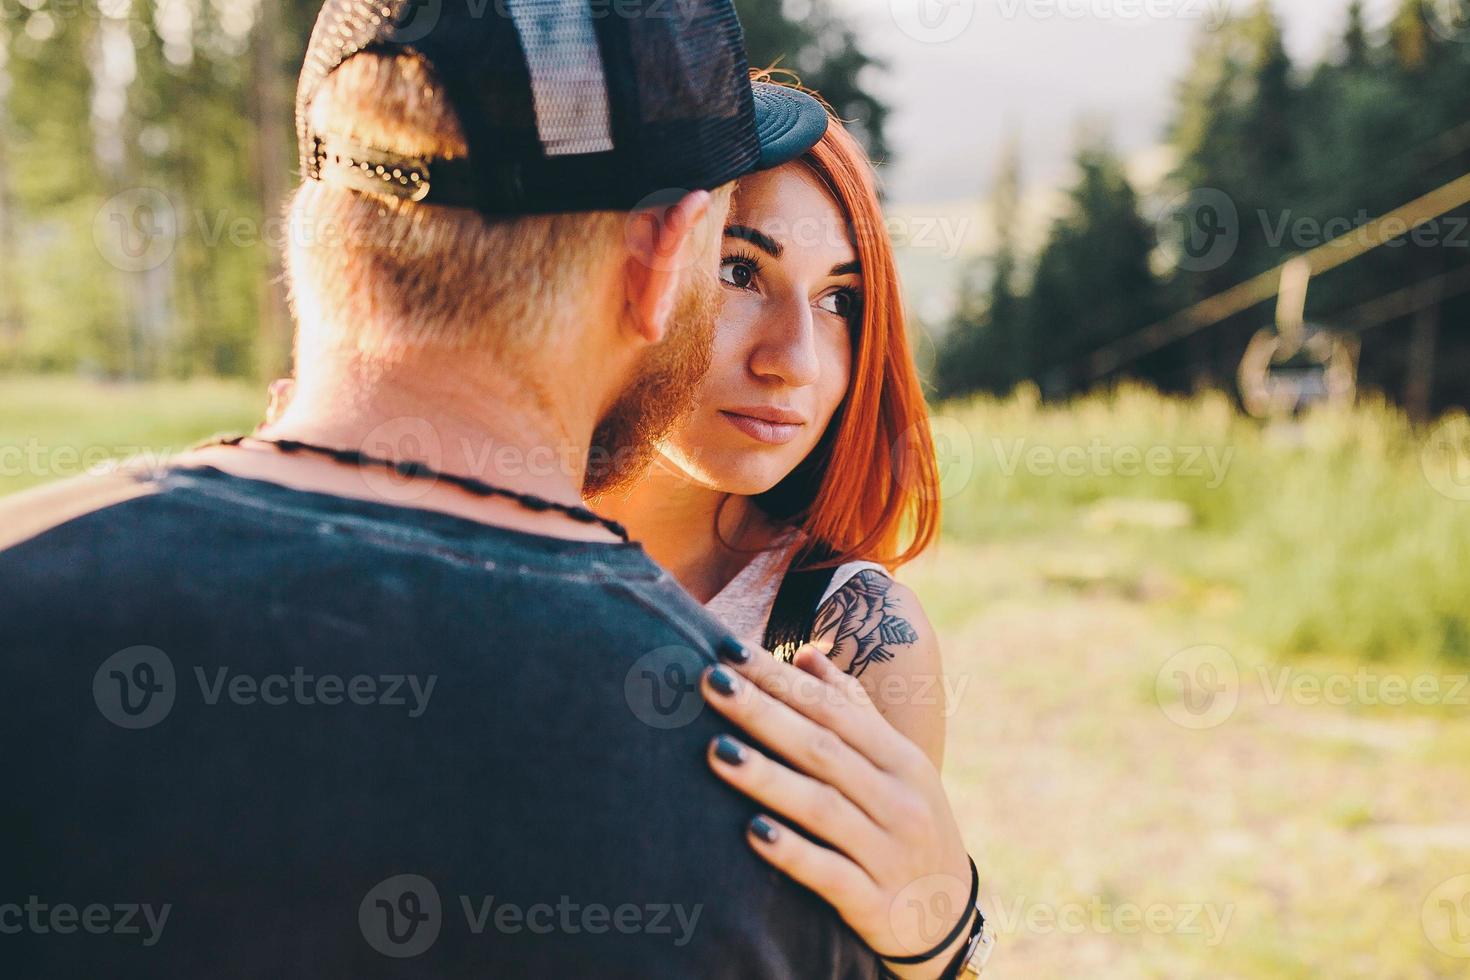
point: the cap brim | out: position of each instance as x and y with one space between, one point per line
788 122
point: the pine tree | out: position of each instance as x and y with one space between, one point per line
986 346
1356 46
810 39
1093 281
1010 347
1268 117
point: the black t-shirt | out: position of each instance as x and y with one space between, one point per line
255 731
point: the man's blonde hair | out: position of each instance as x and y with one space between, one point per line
383 274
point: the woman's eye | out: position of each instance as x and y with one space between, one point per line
841 303
737 273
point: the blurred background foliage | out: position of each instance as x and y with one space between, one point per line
1325 537
1326 544
192 100
188 102
183 107
1322 147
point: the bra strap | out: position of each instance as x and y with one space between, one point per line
794 612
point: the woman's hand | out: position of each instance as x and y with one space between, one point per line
892 862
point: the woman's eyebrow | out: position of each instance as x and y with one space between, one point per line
760 240
853 268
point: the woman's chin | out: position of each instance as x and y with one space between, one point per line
746 481
735 471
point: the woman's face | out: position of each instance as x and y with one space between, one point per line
783 344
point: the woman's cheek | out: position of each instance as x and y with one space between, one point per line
836 376
740 309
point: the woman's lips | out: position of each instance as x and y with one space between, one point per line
763 430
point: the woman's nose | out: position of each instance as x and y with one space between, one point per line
785 348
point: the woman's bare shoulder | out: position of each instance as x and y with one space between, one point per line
875 628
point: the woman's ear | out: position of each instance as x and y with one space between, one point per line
663 241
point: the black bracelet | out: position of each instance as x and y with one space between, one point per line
967 948
954 933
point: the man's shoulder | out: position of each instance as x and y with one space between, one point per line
31 513
135 527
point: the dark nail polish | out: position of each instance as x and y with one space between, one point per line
729 750
764 829
733 650
722 680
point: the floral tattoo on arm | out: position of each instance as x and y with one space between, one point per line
862 623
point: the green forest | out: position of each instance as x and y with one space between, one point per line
1273 159
145 148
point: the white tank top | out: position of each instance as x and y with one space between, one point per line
744 604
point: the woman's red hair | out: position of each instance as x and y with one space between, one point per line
870 489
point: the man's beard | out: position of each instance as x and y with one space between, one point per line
659 396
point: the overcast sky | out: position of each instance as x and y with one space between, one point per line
1038 67
974 71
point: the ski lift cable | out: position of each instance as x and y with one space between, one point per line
1260 288
1410 299
1445 147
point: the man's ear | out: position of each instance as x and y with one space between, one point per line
662 243
281 391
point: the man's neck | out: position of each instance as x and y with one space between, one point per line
456 415
675 518
459 415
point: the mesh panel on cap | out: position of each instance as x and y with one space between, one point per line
566 105
694 92
568 82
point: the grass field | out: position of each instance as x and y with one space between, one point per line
1211 719
1227 690
52 428
1273 831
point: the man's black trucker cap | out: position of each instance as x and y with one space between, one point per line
566 105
